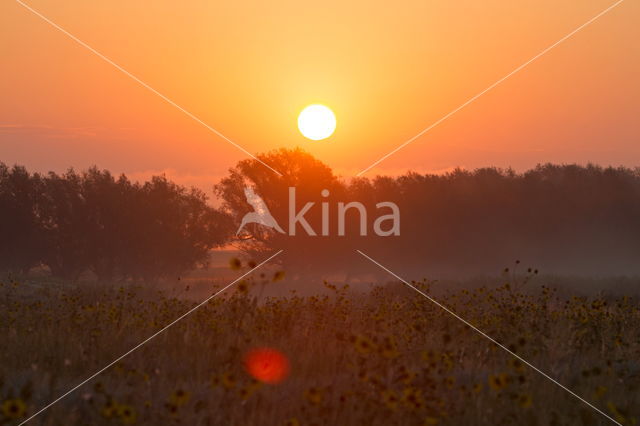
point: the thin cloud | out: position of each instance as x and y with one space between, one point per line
52 132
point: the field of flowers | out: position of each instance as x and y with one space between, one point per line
385 356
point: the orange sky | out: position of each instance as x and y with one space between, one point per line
387 72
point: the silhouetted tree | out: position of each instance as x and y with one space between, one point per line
90 221
304 255
171 230
108 204
67 225
21 245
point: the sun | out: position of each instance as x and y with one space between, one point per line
317 122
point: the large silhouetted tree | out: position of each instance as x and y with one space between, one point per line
304 254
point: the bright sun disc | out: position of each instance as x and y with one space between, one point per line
316 122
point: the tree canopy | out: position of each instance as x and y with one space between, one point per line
92 221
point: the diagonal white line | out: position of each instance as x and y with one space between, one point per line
482 333
470 100
142 83
139 345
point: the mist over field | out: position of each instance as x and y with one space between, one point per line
562 220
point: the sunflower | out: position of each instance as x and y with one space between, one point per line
413 398
243 287
245 392
390 399
109 410
228 380
498 382
449 381
516 364
600 392
171 408
362 344
313 395
525 400
14 408
127 414
179 397
235 263
389 348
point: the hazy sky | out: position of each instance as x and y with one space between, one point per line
387 70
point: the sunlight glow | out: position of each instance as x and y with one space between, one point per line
267 365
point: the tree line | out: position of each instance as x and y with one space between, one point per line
92 221
564 219
559 218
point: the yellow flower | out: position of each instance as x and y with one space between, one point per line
179 397
313 395
390 399
243 287
412 397
498 382
600 391
406 376
109 410
429 356
247 391
447 362
235 263
389 348
228 380
449 382
171 408
362 344
215 381
278 275
525 401
292 422
14 408
127 414
516 364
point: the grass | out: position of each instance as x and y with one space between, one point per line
382 357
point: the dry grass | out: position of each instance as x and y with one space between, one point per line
387 357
